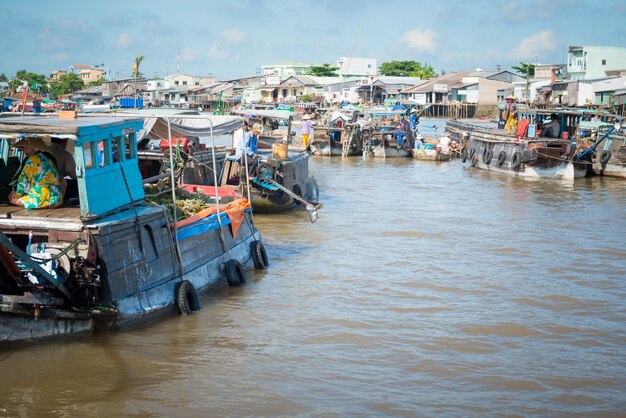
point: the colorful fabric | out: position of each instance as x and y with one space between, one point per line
39 185
305 140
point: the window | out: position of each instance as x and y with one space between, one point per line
88 155
129 144
184 82
176 82
118 145
103 153
603 62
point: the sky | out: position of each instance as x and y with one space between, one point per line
231 39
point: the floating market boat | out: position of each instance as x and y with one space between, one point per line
379 138
607 152
108 260
282 182
337 134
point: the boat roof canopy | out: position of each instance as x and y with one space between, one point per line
259 113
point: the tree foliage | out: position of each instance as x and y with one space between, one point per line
36 82
524 69
407 69
324 70
3 77
67 83
138 60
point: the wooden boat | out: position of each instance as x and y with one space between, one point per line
107 260
494 150
378 135
286 182
608 152
337 134
282 182
431 154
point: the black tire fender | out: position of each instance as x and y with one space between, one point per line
259 255
516 160
235 275
186 298
474 161
501 158
605 157
487 155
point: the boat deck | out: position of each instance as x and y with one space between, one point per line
8 211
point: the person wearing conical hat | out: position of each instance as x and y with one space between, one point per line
510 111
38 184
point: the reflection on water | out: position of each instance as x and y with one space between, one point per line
424 289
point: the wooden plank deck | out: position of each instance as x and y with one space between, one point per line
8 211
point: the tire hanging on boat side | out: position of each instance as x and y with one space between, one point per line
487 155
259 255
516 160
501 158
474 161
235 275
186 298
605 157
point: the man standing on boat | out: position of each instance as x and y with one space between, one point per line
246 149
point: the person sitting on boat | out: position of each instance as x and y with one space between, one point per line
552 129
335 136
445 143
239 133
419 141
510 112
38 183
246 149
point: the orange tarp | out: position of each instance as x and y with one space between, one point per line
234 210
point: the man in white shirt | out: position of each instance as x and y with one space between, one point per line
246 148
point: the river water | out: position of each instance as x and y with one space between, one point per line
424 289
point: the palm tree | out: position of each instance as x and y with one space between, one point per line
136 65
527 70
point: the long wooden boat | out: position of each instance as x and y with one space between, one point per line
107 260
494 150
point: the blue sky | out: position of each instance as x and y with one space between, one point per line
233 38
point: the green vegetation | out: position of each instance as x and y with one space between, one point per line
3 77
526 70
68 83
37 83
408 69
324 70
138 60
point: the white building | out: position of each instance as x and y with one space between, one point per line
592 62
361 67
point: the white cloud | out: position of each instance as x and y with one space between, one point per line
534 46
188 55
420 39
62 57
234 36
124 40
216 53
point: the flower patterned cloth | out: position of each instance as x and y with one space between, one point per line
39 185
